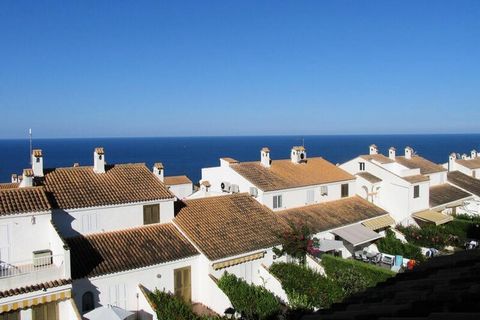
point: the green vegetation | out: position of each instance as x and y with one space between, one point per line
253 302
296 242
391 245
305 288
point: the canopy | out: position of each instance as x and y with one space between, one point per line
325 245
108 312
433 216
356 234
379 222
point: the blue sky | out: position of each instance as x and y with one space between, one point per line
181 68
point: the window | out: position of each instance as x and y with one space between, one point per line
362 166
46 311
310 196
151 214
344 190
87 302
416 191
324 190
277 202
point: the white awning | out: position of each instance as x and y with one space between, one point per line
325 245
357 234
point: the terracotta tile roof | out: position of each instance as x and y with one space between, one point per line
230 160
206 183
117 251
417 162
12 185
81 187
470 164
465 182
283 174
446 193
23 200
377 157
37 152
225 226
332 214
369 177
28 172
99 150
416 178
35 287
174 180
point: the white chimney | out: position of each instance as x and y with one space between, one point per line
392 153
158 170
99 160
373 149
473 154
27 178
451 161
408 153
14 178
265 157
464 156
299 154
37 163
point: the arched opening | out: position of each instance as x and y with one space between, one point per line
87 302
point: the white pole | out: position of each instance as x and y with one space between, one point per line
30 135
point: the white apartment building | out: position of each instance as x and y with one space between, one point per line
280 184
469 165
402 185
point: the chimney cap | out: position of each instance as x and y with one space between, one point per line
298 148
158 165
408 148
99 150
14 175
265 149
28 172
373 146
76 164
37 153
206 183
392 148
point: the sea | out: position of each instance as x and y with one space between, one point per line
187 155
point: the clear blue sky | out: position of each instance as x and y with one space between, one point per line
152 68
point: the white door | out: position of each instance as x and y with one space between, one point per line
4 244
118 295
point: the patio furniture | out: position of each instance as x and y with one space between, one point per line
376 259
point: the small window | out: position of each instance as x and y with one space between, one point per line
277 202
324 191
37 159
416 191
87 302
362 166
310 196
344 190
151 214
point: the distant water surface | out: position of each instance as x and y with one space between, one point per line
187 155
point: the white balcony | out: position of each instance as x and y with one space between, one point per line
33 271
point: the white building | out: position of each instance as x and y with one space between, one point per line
281 184
180 186
401 184
469 165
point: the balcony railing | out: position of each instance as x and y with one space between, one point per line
34 265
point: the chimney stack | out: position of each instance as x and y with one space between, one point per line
473 154
373 149
265 157
464 156
37 163
27 178
99 160
451 161
392 153
14 178
158 170
408 153
299 154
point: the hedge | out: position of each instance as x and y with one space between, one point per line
305 288
371 274
253 302
391 245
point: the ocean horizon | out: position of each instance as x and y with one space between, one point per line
187 155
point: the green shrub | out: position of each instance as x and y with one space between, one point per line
371 274
253 302
305 288
391 245
170 307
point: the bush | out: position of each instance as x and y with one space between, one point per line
391 245
169 307
253 302
305 288
370 274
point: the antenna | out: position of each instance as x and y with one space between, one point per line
30 136
303 142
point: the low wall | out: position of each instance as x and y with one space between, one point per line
271 283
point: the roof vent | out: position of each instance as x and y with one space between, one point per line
408 153
158 170
473 154
14 178
99 160
373 149
27 178
298 154
37 162
265 157
392 153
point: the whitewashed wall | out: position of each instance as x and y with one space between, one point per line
102 219
181 191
